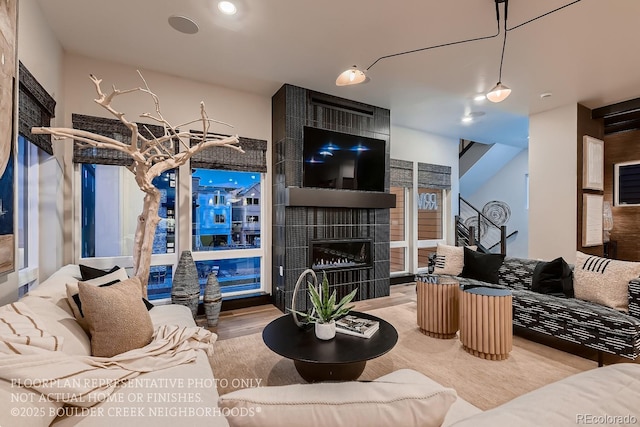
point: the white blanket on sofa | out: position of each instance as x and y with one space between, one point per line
31 358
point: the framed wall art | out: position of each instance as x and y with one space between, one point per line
8 34
592 163
592 205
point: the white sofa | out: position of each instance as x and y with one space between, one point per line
187 394
609 395
182 395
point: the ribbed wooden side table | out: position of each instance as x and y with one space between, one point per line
486 322
438 306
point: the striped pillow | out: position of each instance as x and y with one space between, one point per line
450 259
604 281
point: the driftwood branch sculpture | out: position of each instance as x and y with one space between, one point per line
151 157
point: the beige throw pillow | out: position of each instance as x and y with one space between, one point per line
118 319
335 404
604 281
72 293
450 259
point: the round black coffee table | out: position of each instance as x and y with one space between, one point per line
341 359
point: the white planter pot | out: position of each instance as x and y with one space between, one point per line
326 331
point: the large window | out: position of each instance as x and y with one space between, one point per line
429 214
28 209
226 214
226 210
418 221
226 226
235 275
111 203
23 201
431 217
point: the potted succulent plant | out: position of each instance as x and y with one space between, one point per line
325 310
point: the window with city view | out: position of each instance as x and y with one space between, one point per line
109 218
226 215
234 275
225 210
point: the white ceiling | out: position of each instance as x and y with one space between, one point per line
585 53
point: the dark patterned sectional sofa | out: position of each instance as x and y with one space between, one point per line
591 325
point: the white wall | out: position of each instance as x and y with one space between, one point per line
508 185
416 146
40 52
552 183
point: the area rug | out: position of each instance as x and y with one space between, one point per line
246 362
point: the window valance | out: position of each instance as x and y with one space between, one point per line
434 176
254 158
36 108
401 173
111 128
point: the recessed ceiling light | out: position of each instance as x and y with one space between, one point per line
183 24
480 97
472 115
227 8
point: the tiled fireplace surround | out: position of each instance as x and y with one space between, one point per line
296 225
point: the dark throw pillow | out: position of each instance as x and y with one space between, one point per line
553 277
481 266
89 273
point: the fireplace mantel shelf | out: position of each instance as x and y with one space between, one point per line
329 198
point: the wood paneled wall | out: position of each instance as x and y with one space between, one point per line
595 128
397 259
430 219
622 147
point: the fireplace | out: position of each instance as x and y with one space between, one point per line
340 254
340 224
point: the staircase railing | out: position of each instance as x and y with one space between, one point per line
473 227
464 146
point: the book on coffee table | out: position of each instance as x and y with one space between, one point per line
357 326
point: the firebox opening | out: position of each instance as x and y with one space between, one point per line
339 254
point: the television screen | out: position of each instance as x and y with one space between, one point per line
342 161
627 183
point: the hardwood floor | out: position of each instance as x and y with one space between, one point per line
251 320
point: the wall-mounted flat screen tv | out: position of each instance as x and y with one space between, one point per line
343 161
626 183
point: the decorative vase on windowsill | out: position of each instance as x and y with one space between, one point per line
324 310
212 299
185 289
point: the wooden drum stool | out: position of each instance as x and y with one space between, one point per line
486 322
438 306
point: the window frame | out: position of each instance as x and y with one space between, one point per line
394 244
28 274
429 243
221 254
124 261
